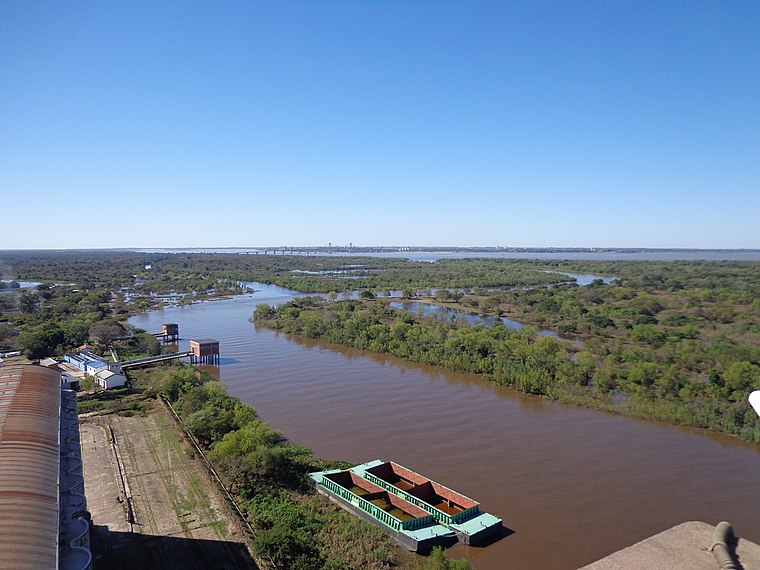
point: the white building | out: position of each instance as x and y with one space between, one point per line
108 380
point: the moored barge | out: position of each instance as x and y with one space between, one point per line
416 511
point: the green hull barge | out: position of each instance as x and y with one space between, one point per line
416 511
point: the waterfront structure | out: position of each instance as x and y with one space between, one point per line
151 360
416 511
169 333
204 351
44 521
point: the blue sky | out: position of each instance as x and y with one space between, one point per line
180 124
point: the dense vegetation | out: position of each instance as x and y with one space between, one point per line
667 370
678 341
197 272
145 273
295 527
50 320
81 288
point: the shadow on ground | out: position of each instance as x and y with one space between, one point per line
129 550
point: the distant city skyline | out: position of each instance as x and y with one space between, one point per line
160 125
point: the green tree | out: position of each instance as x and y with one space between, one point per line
7 335
649 334
438 561
76 333
173 382
147 343
742 375
263 312
87 383
253 435
41 341
443 295
106 332
284 534
29 302
243 415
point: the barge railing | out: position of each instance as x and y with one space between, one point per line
437 514
373 510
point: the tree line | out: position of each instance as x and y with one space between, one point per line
294 526
636 380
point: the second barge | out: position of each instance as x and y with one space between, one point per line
416 511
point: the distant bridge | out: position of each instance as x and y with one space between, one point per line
150 360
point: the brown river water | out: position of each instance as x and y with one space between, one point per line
571 484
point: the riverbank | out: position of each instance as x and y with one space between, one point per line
603 480
663 329
535 365
290 525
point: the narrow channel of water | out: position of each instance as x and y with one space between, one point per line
584 279
21 285
573 484
449 314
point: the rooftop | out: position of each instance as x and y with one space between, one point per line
30 399
205 341
103 374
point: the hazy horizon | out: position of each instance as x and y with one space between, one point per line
389 247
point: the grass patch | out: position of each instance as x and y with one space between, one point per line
122 401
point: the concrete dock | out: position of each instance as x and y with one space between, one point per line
683 547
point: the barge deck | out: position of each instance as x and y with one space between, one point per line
416 511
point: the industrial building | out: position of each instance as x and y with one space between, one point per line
204 351
87 361
44 521
169 333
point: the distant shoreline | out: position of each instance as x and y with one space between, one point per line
434 253
450 249
404 249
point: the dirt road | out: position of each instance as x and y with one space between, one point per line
152 504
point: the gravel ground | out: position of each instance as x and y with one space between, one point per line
179 519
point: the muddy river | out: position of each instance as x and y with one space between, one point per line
572 485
